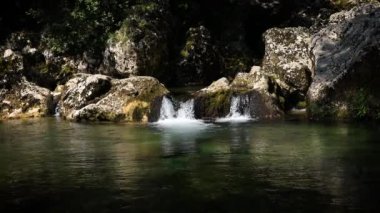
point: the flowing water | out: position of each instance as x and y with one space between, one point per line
239 110
50 165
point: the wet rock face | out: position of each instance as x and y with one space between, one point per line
101 98
213 101
260 91
287 58
346 55
25 100
140 46
200 60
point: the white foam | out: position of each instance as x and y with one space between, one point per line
181 119
239 111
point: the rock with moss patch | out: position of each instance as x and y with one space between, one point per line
260 91
287 58
140 46
346 60
101 98
25 100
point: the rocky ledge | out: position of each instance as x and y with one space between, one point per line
258 89
101 98
25 100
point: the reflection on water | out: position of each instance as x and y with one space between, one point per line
50 165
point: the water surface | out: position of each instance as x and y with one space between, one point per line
49 165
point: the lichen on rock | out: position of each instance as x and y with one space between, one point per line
287 58
101 98
25 100
140 46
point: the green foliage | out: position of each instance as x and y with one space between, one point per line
86 26
361 104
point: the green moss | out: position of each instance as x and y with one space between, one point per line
301 105
217 104
184 53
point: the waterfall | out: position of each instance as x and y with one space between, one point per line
239 107
186 110
168 111
177 116
56 111
239 110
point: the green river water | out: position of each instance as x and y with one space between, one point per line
50 165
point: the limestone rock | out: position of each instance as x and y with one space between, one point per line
287 58
140 46
259 91
254 80
219 85
346 55
25 100
100 98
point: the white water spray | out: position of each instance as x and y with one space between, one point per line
167 109
239 110
180 119
185 111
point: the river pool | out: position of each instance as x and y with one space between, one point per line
51 165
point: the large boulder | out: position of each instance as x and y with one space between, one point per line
346 64
287 59
257 89
101 98
25 100
140 46
200 60
213 101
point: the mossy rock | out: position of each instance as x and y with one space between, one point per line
212 105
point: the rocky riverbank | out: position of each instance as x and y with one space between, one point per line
328 67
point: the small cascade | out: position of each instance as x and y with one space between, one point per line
239 110
239 107
56 111
168 111
179 116
186 110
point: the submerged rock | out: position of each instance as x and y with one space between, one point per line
25 100
346 64
101 98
